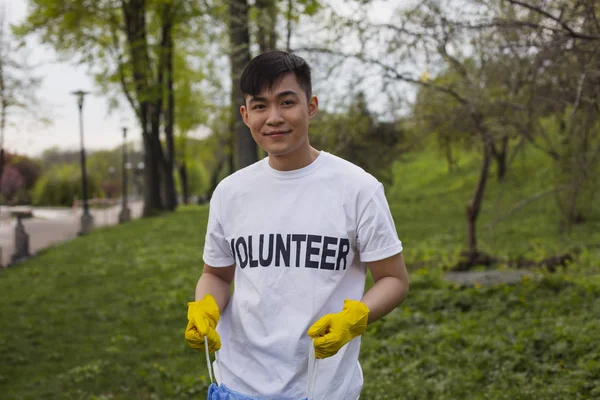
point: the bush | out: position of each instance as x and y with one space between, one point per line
60 185
197 179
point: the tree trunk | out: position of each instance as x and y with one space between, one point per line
290 10
578 168
152 198
134 15
267 34
168 51
1 152
500 156
267 21
474 205
184 183
214 179
1 165
245 146
3 95
231 148
501 167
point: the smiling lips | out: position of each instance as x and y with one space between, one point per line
275 134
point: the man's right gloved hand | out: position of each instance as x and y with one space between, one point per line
203 316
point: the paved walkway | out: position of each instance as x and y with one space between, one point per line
54 225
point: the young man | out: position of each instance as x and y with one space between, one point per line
295 233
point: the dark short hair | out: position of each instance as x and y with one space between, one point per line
267 70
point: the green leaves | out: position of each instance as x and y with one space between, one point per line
522 341
311 7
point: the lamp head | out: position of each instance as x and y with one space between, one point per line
80 95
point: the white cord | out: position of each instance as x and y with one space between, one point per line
312 371
208 365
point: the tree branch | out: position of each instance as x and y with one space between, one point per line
397 29
558 20
576 105
390 70
457 65
525 202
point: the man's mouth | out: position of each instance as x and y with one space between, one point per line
275 133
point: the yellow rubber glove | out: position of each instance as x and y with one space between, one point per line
203 316
332 331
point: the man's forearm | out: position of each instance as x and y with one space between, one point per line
385 295
217 287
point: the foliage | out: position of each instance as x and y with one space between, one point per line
359 138
104 169
130 48
61 184
21 174
197 178
11 182
29 168
443 116
531 341
19 82
105 172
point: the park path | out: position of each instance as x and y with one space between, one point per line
51 226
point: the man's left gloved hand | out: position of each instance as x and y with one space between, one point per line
332 331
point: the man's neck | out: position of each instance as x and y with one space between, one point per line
297 159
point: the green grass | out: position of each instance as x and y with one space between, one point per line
102 317
429 207
104 314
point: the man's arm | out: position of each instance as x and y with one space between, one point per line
217 282
390 288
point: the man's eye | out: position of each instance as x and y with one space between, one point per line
288 102
258 106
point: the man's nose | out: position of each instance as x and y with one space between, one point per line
274 117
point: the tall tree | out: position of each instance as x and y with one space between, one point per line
266 22
18 84
245 147
130 45
562 113
192 110
266 35
146 93
167 52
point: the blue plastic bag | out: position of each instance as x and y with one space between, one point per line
222 392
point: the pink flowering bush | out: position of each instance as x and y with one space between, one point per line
11 183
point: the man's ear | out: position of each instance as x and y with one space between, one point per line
244 113
313 107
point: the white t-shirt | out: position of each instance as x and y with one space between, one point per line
300 240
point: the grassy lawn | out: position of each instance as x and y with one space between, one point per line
102 317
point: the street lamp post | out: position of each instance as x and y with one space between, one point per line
87 221
125 214
139 172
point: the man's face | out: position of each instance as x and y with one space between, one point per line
278 119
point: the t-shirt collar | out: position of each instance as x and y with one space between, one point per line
296 173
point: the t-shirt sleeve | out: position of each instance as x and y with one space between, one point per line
376 233
217 252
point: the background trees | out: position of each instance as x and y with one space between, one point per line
490 79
